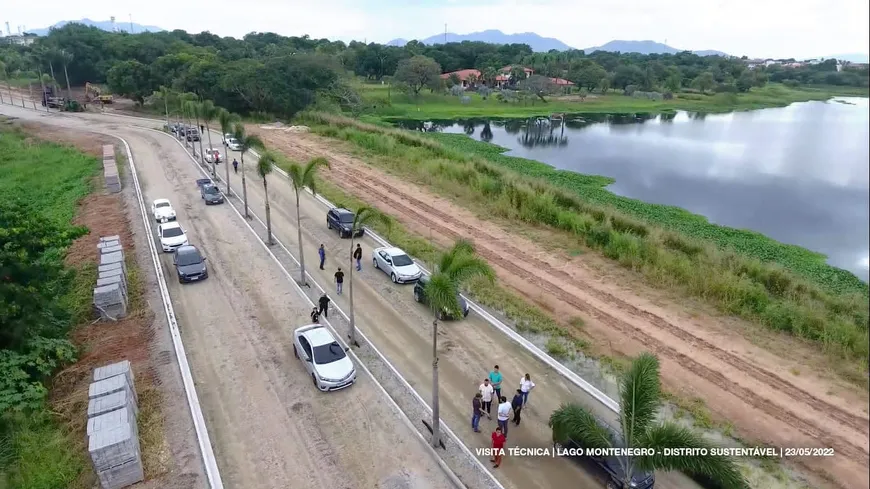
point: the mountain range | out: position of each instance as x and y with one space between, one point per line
105 25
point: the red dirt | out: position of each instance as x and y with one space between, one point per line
700 355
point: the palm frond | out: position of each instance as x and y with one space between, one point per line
577 423
366 215
669 435
640 397
310 170
226 119
464 267
264 164
294 171
460 247
442 294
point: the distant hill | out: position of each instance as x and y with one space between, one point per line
105 25
647 47
536 42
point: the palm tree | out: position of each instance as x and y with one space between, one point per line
209 112
185 101
226 120
196 106
301 177
455 267
246 142
164 94
640 399
363 216
264 167
66 58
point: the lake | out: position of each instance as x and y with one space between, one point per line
798 174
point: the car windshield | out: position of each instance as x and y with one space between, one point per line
324 354
402 261
189 258
346 218
172 232
212 190
162 204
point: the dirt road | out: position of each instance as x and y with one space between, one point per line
268 424
740 381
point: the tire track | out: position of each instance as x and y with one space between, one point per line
356 179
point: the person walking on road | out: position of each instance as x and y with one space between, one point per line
504 413
495 378
323 302
526 386
476 412
315 315
321 252
517 406
235 165
339 280
486 392
498 440
357 255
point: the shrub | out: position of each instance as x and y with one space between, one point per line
629 90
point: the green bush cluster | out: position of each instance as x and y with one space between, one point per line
783 287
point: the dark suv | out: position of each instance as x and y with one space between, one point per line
192 134
342 220
420 296
608 466
211 194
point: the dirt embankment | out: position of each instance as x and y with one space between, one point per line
702 356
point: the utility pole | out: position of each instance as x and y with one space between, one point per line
131 23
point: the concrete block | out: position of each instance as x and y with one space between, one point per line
110 267
111 385
112 312
108 151
118 271
111 402
123 475
116 257
115 279
113 237
108 295
108 244
113 446
111 249
123 367
113 419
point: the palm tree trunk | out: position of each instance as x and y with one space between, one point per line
53 79
352 335
201 154
166 106
42 84
299 238
268 214
227 164
213 163
68 89
436 419
244 184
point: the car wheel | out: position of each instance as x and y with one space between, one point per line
612 485
180 280
393 278
314 381
295 352
328 225
417 295
375 263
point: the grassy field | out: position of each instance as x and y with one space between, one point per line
389 103
782 287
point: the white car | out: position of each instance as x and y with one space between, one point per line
324 358
171 236
232 143
397 264
162 210
213 156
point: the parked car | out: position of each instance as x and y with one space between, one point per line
233 144
213 156
171 236
192 134
420 296
225 138
323 357
189 264
162 210
211 194
397 264
342 221
201 182
610 467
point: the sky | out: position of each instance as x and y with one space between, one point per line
756 28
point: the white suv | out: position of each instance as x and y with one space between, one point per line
172 236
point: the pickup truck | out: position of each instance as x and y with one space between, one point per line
203 181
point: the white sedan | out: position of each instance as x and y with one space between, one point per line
397 264
231 142
324 358
162 210
213 156
171 236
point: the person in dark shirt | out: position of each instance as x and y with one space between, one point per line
476 412
357 255
323 302
339 280
517 405
315 315
321 252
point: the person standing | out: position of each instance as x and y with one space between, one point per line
321 252
357 255
498 440
235 166
339 281
323 302
526 386
495 378
504 413
486 392
517 406
476 412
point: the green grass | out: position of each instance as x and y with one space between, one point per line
783 287
42 453
390 103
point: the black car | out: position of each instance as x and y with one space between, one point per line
211 194
192 134
342 220
609 467
420 296
189 264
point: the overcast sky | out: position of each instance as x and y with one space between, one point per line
764 28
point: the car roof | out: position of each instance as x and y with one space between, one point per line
187 250
393 251
318 336
161 201
170 225
342 210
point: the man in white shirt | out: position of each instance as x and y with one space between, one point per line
504 413
526 386
486 391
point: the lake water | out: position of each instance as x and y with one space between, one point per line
798 174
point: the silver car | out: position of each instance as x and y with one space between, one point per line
324 358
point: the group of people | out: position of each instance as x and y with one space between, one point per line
506 411
322 308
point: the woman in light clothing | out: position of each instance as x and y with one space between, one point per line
526 386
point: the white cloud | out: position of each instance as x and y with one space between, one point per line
753 27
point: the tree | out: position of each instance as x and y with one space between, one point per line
164 94
704 81
673 83
66 58
264 167
209 112
226 120
362 218
301 177
130 79
640 399
587 75
518 74
604 85
418 72
246 143
745 82
196 110
455 267
539 85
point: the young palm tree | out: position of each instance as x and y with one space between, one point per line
196 106
264 167
209 112
66 58
363 216
640 399
456 266
246 143
226 120
164 94
301 177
